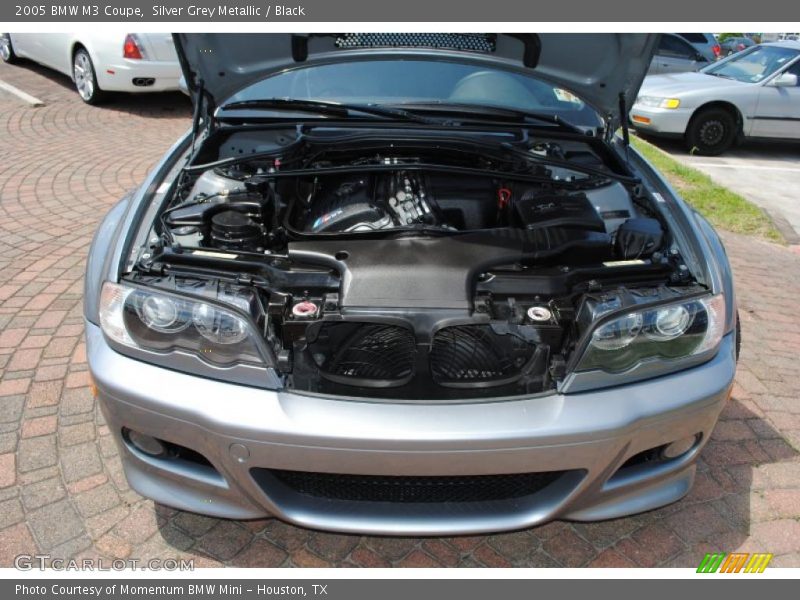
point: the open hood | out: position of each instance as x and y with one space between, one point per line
600 68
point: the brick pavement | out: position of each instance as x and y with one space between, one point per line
62 491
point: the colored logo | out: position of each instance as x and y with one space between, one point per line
735 562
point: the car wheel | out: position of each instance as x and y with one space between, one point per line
6 49
711 132
85 78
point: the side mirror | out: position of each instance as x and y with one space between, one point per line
785 80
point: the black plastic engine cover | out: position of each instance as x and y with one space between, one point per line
440 272
535 211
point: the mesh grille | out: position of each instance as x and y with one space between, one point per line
442 41
368 352
475 353
417 489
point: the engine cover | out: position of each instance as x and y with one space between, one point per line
399 273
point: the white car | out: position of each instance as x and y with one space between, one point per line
754 93
101 62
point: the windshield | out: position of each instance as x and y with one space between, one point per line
754 65
410 82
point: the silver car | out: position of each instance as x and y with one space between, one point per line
754 93
675 55
410 285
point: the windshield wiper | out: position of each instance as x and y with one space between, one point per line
328 108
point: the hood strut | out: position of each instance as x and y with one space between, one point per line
198 108
623 118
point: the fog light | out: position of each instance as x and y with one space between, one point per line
680 447
145 443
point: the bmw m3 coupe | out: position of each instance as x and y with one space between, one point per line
412 285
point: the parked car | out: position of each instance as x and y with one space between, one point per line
705 43
751 94
388 285
675 55
99 62
736 44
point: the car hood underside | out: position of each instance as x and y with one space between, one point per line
601 68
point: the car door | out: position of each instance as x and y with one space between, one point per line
778 109
55 51
23 45
675 55
48 49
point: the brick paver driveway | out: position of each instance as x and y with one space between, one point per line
62 491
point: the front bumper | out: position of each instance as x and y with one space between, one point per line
238 428
663 121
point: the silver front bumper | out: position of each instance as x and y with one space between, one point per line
239 428
665 121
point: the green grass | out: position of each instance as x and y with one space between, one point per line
724 208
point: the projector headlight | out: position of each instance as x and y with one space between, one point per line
149 319
667 332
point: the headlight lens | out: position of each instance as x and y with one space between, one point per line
217 326
161 322
670 331
670 322
160 314
658 102
618 333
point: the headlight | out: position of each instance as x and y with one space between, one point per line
158 321
670 331
658 102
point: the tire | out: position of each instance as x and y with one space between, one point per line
83 74
711 132
7 49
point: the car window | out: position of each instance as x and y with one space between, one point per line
674 47
398 82
754 64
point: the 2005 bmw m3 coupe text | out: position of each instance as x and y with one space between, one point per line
410 285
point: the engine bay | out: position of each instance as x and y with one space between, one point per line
414 270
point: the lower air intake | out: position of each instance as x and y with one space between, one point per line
415 489
478 355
